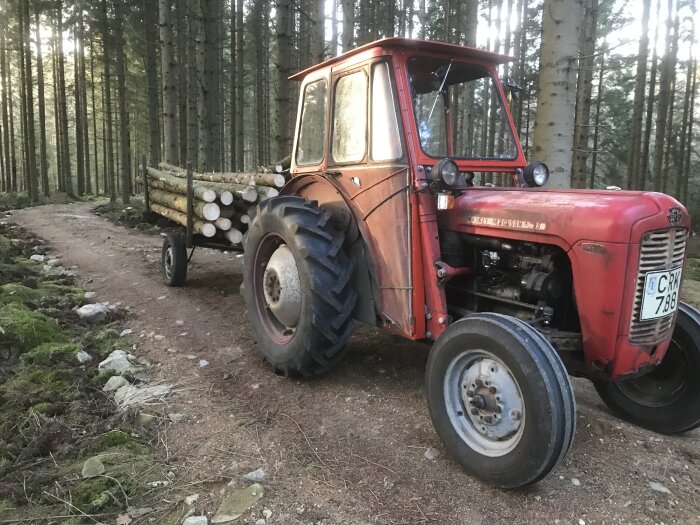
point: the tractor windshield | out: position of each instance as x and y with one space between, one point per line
458 110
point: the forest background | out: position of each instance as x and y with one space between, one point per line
89 87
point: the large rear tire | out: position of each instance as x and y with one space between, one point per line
500 399
296 286
173 260
666 399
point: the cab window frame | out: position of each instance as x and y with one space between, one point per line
324 120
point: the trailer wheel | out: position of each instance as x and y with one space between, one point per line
173 260
296 286
500 399
666 399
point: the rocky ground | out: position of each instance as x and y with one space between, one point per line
353 447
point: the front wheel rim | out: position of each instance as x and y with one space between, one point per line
484 403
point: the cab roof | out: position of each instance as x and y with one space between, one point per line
413 45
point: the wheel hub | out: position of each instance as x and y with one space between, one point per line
282 288
168 266
492 399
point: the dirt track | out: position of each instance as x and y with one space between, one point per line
347 447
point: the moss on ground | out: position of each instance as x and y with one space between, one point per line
23 329
53 414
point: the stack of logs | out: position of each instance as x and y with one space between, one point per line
224 203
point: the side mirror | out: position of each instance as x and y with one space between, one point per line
512 88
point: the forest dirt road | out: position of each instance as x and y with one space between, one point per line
348 447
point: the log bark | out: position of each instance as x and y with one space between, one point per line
164 181
209 211
205 228
263 179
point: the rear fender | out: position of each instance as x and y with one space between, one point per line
344 218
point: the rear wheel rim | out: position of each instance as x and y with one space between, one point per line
484 403
662 386
168 263
268 285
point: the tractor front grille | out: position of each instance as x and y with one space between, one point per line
659 250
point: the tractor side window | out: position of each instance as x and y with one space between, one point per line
386 141
313 124
350 118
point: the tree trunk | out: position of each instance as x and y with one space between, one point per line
83 97
205 228
32 175
283 67
78 119
348 24
124 135
240 160
583 95
44 161
646 143
181 39
60 180
671 141
94 116
209 89
596 122
635 141
65 154
667 66
556 97
8 147
233 87
169 82
193 23
110 176
204 210
683 194
150 17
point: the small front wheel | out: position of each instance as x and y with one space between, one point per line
667 398
173 260
500 399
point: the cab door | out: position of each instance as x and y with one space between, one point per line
367 159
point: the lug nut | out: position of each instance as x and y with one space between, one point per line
479 382
488 419
474 412
492 389
470 393
515 415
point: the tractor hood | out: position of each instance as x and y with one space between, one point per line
565 217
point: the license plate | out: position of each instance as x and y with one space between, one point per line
661 294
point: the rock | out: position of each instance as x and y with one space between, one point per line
37 258
144 419
83 357
237 502
89 296
256 476
267 513
160 483
93 467
114 383
175 417
131 396
432 453
137 513
196 520
93 313
191 500
179 322
260 522
658 487
191 357
575 482
117 361
54 262
125 332
203 363
159 337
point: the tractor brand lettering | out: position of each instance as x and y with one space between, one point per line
498 222
674 215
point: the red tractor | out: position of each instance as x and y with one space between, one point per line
392 218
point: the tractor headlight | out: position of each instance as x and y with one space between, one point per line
446 171
536 174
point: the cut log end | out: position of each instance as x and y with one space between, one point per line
223 224
226 197
249 195
234 236
207 195
208 229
